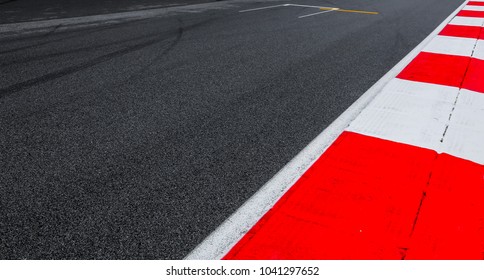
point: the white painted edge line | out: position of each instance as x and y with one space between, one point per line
285 5
263 8
220 241
308 6
318 13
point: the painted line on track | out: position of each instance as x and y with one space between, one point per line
313 14
233 230
309 6
263 8
351 11
283 5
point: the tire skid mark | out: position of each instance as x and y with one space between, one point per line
77 50
76 68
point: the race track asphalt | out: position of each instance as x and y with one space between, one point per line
135 140
12 11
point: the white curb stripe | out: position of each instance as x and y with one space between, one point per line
465 135
473 8
479 50
451 45
467 21
408 112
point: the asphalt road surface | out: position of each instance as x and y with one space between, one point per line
30 10
136 139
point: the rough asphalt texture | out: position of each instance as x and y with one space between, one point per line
12 11
136 140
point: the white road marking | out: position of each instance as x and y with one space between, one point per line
313 14
326 9
263 8
308 6
285 5
219 242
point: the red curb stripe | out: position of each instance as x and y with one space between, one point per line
466 13
461 31
451 220
474 79
475 3
358 201
434 68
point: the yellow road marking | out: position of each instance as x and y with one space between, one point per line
348 11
